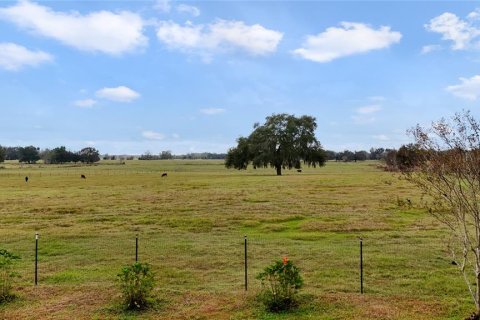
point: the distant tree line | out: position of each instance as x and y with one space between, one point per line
117 157
167 155
32 154
347 155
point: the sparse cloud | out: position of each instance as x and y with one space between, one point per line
366 114
461 33
363 119
377 98
152 135
212 111
101 31
163 6
120 94
474 15
369 109
381 137
469 88
348 39
14 57
221 35
85 103
191 10
430 48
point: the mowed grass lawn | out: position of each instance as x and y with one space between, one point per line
191 226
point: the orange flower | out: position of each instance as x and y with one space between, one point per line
285 260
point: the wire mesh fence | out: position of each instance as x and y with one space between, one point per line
218 263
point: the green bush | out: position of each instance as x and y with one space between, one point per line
136 282
280 284
7 275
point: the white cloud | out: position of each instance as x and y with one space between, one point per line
219 35
430 48
369 109
381 137
163 6
120 94
14 57
363 119
468 88
152 135
377 98
185 8
85 103
351 38
101 31
212 111
452 28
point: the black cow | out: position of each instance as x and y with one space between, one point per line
26 179
299 170
164 174
83 176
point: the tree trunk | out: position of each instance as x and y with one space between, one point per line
279 170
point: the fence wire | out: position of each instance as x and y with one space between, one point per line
217 263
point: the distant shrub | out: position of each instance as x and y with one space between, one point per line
136 282
7 275
281 282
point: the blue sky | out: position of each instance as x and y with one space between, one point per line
133 76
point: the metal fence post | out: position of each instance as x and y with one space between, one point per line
361 265
36 258
246 265
136 248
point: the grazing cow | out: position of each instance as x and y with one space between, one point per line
164 174
83 176
299 170
26 179
409 202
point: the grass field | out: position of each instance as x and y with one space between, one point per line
191 226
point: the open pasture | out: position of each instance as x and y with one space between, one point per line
191 226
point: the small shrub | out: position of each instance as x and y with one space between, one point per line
136 282
281 282
7 275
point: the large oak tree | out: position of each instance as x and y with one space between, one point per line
283 141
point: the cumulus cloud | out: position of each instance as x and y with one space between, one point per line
462 33
101 31
152 135
85 103
468 89
212 111
348 39
120 94
219 35
14 57
191 10
369 109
